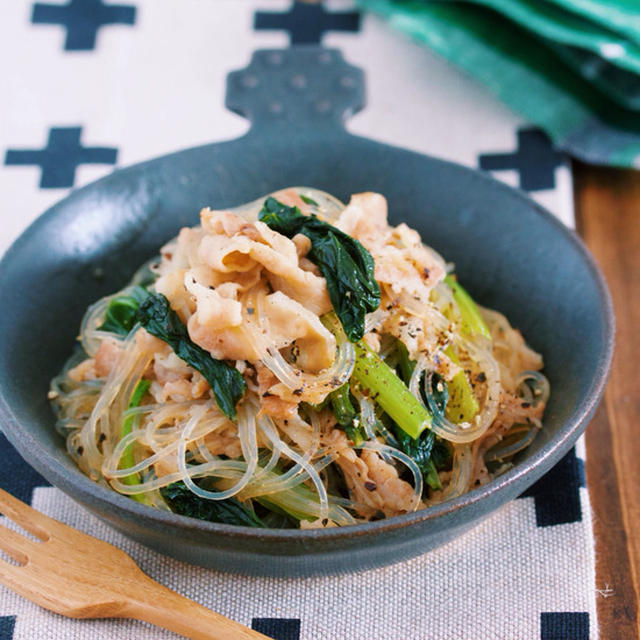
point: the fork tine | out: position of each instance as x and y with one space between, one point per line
15 545
29 519
10 574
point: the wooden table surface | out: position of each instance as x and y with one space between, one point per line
608 219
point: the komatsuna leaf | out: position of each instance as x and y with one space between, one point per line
345 264
186 503
160 320
120 316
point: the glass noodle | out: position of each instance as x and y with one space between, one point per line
305 447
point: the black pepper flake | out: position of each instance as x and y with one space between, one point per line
102 438
425 272
325 522
80 450
525 405
370 486
481 377
250 310
297 392
268 394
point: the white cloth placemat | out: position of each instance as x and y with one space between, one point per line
78 98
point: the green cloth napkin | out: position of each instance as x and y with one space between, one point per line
620 85
622 16
592 48
526 74
553 23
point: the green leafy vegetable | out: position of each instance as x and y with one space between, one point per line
354 433
428 450
386 389
440 390
405 364
431 453
120 316
294 502
186 503
463 404
345 413
471 320
308 200
341 404
127 460
420 449
346 265
442 455
160 320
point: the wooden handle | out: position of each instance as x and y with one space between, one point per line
164 608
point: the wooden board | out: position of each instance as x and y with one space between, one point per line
608 219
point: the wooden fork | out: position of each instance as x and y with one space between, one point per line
76 575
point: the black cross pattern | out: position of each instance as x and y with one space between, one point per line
535 160
82 19
307 22
565 625
7 623
61 157
18 478
277 628
557 494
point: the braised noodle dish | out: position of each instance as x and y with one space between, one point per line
296 362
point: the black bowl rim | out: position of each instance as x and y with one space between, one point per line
568 434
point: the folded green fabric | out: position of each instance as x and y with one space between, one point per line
556 24
622 16
601 55
620 85
525 75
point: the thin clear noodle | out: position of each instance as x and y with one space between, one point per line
248 443
386 450
269 429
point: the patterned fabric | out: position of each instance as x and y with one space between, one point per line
103 83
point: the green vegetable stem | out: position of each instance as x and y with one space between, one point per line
471 321
341 404
463 404
345 414
160 320
127 460
345 264
386 389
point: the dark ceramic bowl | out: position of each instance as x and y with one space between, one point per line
511 254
